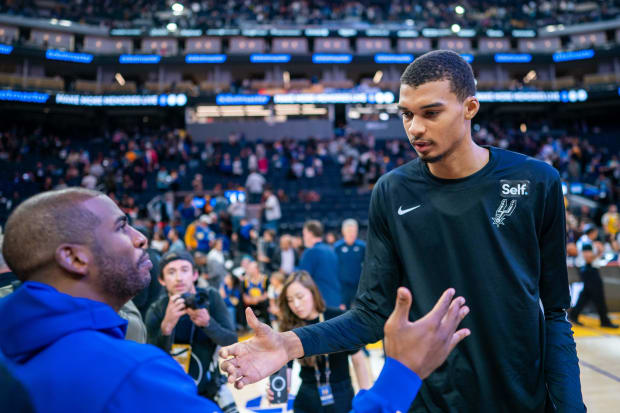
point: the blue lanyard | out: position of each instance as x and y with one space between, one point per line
328 372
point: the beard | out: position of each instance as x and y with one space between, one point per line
120 277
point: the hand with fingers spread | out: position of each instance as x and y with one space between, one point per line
264 354
424 345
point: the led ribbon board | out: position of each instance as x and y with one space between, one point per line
513 57
332 58
6 49
335 97
122 100
573 55
27 97
228 99
205 58
139 59
270 58
68 56
393 58
564 96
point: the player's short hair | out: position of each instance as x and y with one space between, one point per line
441 65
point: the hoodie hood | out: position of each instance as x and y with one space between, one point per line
36 315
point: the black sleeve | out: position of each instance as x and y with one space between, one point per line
376 296
561 365
276 259
154 317
220 329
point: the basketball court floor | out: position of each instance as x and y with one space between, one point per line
599 361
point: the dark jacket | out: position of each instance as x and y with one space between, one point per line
277 258
204 340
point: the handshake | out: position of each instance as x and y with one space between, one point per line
422 346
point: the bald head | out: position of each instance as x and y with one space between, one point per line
42 223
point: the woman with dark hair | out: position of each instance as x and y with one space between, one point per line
301 304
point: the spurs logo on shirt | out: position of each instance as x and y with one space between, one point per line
503 211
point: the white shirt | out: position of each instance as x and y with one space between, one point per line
585 240
89 182
272 208
237 209
255 183
237 167
288 261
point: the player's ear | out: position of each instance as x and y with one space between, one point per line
472 105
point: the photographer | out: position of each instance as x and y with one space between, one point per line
189 323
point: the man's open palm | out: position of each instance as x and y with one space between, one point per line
254 359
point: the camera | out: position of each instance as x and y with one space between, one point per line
196 301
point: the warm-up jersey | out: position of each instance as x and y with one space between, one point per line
498 238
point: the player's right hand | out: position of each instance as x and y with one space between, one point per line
252 360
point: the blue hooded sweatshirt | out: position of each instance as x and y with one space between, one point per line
71 356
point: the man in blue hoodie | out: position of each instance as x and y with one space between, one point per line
80 261
63 340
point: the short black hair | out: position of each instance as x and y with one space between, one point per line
40 224
441 65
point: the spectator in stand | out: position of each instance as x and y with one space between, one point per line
255 288
237 167
216 264
176 244
200 262
321 262
611 221
230 292
245 237
271 208
187 210
350 252
285 257
267 252
237 213
201 236
255 184
89 181
330 238
276 281
159 242
226 165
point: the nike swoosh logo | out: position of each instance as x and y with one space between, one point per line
402 211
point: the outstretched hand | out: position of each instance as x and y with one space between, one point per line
426 343
264 354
